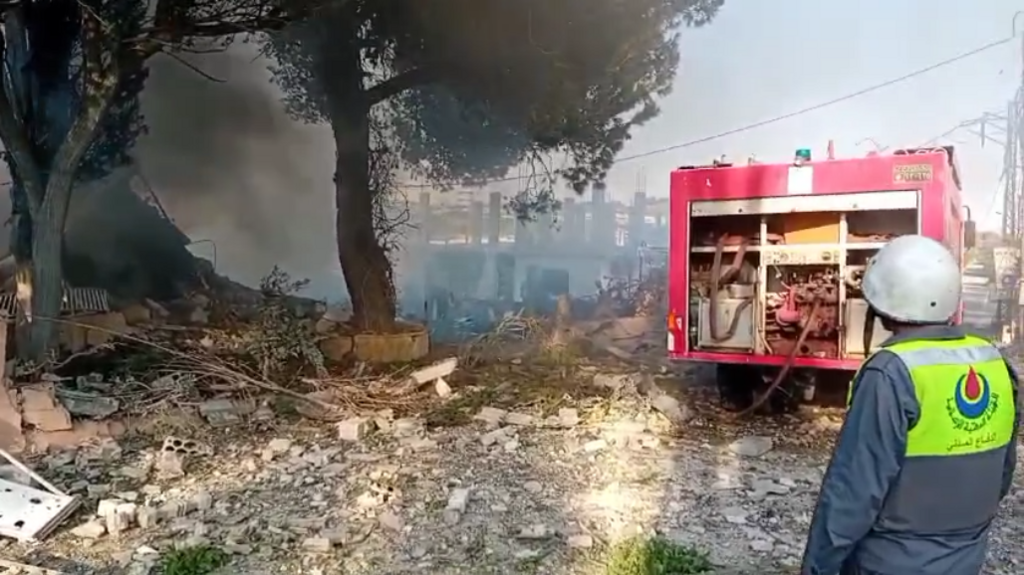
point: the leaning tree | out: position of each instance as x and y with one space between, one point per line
464 89
69 111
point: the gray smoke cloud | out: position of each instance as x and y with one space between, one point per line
230 166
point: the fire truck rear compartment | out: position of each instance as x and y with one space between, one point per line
787 284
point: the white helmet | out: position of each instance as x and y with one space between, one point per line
913 279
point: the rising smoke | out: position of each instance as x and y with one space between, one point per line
230 166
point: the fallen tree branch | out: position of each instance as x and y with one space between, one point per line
210 365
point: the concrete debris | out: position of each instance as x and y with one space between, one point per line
354 429
435 373
224 412
11 437
505 490
40 408
86 404
170 464
751 446
442 388
492 416
671 408
568 417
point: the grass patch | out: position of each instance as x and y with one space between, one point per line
657 556
201 560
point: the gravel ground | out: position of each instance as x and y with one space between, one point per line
510 492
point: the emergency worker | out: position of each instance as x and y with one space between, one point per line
927 450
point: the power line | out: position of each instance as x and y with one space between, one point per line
807 110
829 103
991 209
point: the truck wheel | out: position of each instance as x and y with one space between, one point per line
736 385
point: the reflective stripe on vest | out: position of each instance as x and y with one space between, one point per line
964 392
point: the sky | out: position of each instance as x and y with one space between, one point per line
756 61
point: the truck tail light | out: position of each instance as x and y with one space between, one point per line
673 322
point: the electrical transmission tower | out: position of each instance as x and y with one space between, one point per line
1013 163
1013 169
1013 205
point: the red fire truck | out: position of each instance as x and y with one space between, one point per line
766 260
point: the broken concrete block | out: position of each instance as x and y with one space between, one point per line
137 314
172 510
107 507
203 501
40 408
458 499
491 415
442 389
147 517
491 437
90 530
354 429
438 370
671 408
170 464
520 419
122 518
11 437
224 412
568 417
317 545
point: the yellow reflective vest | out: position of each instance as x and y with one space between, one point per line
965 395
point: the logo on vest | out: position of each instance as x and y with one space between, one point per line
973 403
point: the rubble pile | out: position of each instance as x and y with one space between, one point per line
529 488
227 350
512 492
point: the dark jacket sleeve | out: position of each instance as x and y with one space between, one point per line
867 458
1010 465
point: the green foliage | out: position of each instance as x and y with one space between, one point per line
279 337
473 87
201 560
656 556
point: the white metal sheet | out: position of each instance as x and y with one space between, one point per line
29 514
865 202
856 317
800 181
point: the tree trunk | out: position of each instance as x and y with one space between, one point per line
49 212
364 262
47 281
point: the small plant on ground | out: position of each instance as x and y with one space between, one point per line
657 556
200 560
280 342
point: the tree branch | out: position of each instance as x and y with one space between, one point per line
401 82
172 25
99 82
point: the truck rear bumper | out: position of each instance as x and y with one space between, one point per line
767 360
